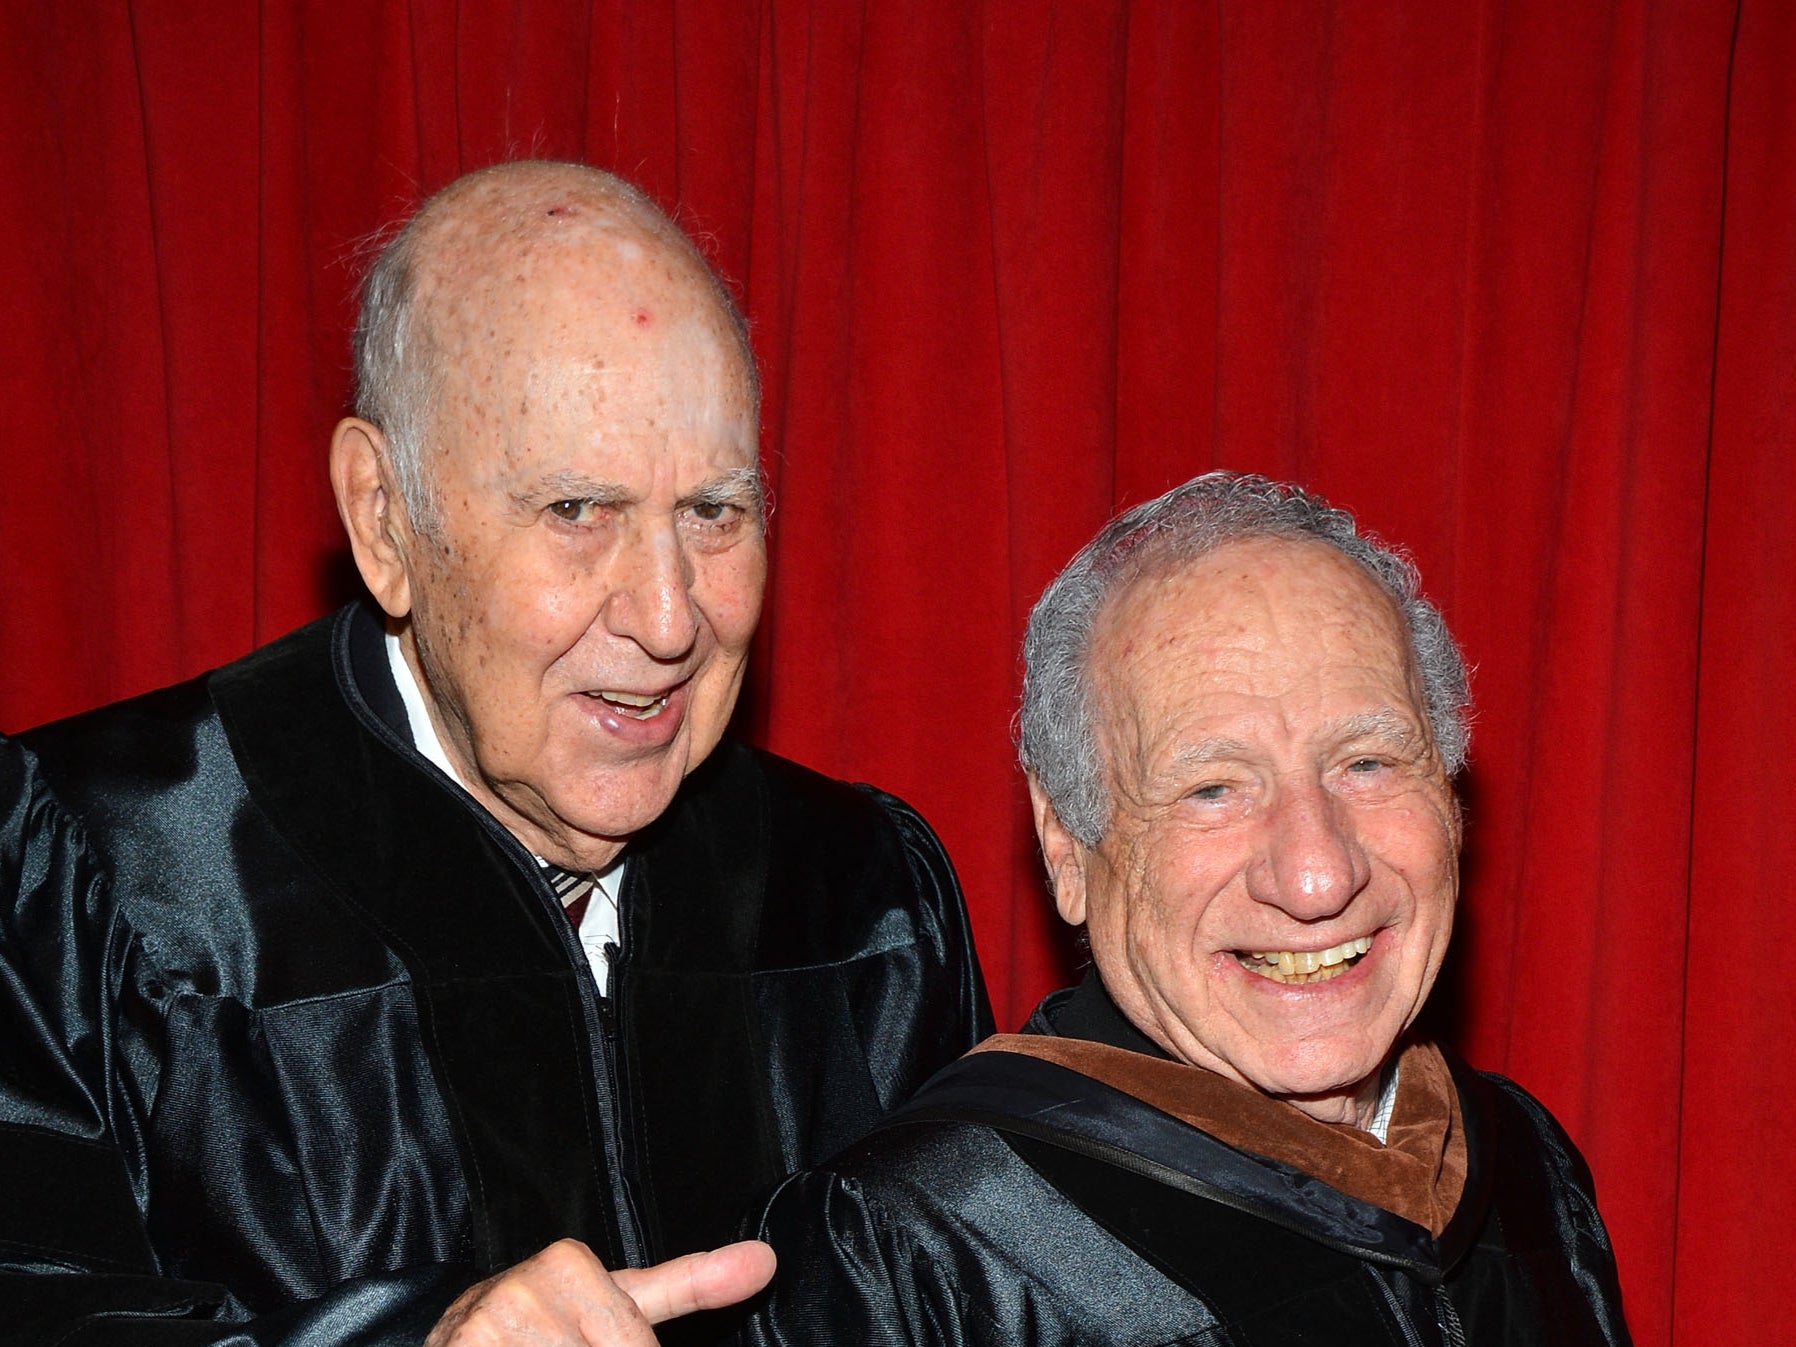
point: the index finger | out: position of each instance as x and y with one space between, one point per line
698 1281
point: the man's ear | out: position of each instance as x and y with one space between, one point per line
372 513
1064 855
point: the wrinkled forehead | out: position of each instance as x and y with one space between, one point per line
1253 609
593 298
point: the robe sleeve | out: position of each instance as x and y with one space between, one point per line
80 1033
846 1275
1589 1256
958 982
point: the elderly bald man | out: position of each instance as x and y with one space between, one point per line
1240 724
448 950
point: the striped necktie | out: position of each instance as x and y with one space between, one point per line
574 889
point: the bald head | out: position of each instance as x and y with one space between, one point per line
430 296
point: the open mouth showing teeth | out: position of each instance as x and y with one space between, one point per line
634 704
1303 966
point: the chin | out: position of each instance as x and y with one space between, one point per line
625 800
617 822
1319 1070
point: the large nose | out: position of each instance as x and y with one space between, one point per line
651 599
1311 864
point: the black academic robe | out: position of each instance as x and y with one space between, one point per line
294 1035
1017 1201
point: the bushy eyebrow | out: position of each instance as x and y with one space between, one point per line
1209 750
572 486
742 486
1386 723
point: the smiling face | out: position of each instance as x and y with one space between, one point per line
1275 892
580 615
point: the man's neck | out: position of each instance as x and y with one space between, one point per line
1090 1013
427 740
602 922
417 714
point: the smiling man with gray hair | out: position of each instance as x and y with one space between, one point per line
1240 725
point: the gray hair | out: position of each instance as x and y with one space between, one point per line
397 372
1056 729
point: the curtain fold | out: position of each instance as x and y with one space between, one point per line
1516 282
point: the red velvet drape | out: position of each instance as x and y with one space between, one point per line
1515 281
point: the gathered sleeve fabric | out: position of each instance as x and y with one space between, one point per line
83 1039
847 1274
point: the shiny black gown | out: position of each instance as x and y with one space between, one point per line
295 1043
1016 1201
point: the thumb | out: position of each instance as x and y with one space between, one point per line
698 1281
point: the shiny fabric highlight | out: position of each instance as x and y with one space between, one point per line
1016 1200
294 1035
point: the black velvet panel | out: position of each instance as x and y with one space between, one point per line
39 1309
68 1202
779 927
492 965
1086 1011
396 1310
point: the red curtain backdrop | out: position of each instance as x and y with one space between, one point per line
1515 281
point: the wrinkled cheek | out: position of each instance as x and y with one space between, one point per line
1436 890
1159 953
539 621
1431 958
734 615
1111 939
1165 917
739 626
729 586
549 624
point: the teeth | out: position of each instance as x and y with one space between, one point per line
1303 966
635 704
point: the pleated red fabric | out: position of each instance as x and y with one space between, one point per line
1514 281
